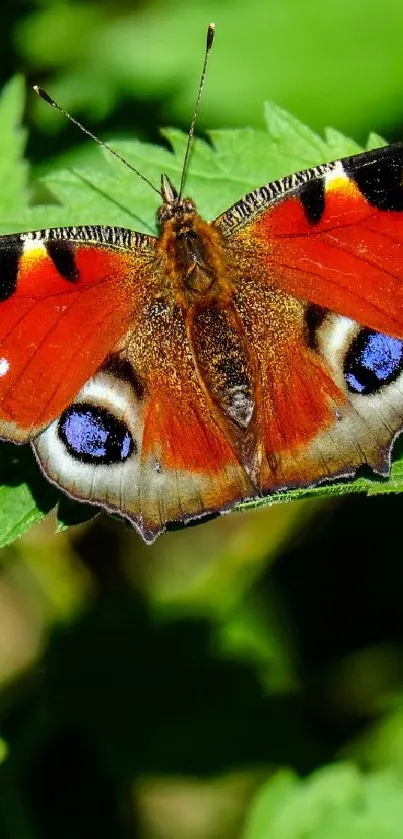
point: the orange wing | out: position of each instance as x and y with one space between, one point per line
320 257
142 437
67 296
331 235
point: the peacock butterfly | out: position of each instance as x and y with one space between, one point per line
168 378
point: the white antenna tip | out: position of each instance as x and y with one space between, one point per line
210 36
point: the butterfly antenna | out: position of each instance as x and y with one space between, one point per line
45 96
209 44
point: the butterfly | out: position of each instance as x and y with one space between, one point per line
167 378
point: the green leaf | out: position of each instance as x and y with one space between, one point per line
13 169
3 750
25 496
336 802
220 172
333 63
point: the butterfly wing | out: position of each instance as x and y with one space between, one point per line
66 297
90 353
142 437
331 235
320 260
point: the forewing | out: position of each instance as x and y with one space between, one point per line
332 236
67 296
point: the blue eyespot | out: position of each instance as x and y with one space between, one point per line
93 435
372 361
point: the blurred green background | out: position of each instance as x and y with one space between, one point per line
242 679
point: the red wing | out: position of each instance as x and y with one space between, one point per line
332 236
162 454
67 296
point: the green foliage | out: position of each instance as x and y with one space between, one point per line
13 169
337 802
338 65
25 497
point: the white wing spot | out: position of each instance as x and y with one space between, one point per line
335 174
4 366
31 244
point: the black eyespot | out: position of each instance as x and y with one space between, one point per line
92 435
373 360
